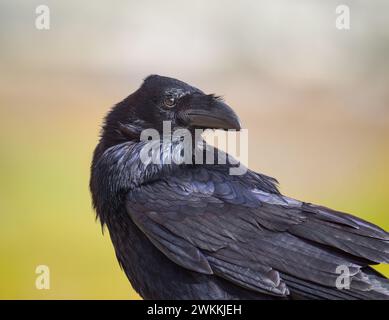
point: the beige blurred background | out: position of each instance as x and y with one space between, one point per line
314 98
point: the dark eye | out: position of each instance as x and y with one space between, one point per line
169 102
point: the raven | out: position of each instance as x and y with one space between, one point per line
194 231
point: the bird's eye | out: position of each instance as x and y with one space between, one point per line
169 102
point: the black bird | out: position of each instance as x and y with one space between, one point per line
194 231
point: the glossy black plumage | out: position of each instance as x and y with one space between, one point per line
196 232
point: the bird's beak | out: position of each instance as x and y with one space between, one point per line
215 115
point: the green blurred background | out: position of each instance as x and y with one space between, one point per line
315 100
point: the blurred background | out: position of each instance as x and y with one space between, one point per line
314 98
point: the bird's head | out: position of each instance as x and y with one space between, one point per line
162 99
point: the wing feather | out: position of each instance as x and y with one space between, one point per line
261 241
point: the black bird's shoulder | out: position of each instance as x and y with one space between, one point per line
242 229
